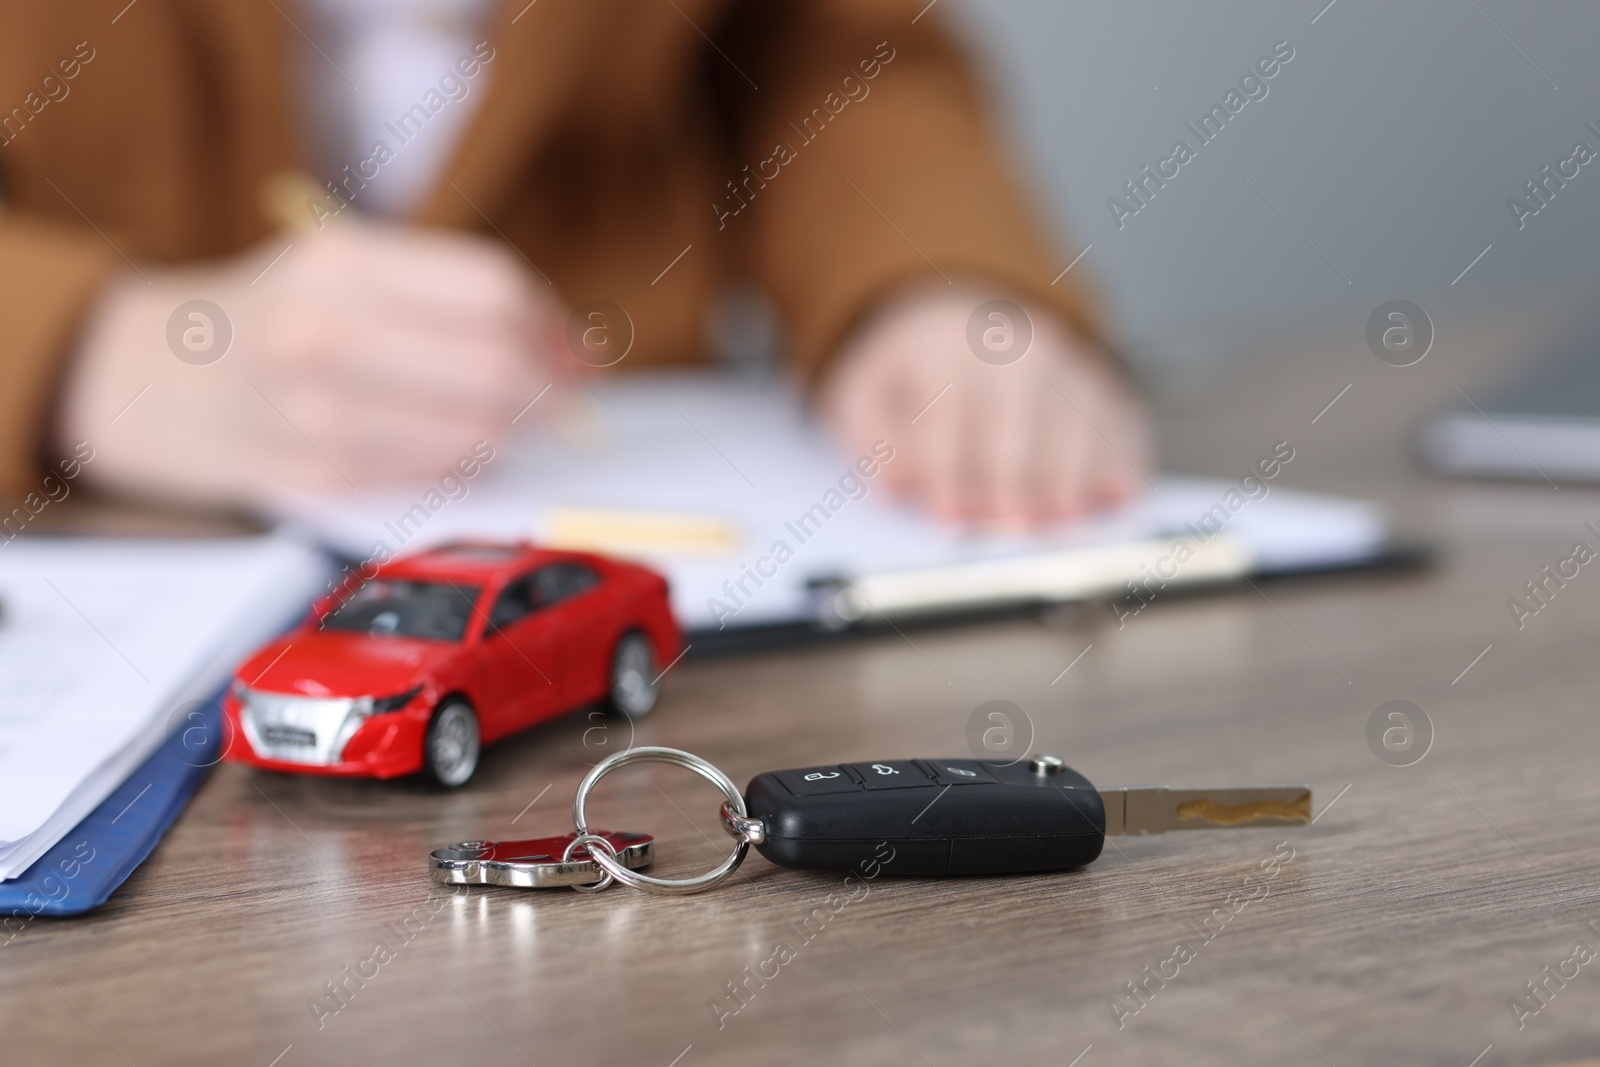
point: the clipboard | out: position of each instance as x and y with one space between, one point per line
81 871
764 529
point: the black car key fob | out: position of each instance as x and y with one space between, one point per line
974 817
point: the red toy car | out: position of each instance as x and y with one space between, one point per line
438 652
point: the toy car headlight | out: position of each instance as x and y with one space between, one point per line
383 705
360 709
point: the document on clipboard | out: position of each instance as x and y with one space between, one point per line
759 520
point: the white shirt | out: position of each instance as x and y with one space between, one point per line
369 66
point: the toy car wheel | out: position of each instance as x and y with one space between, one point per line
450 750
635 686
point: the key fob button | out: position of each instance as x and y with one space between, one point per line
959 772
890 774
815 781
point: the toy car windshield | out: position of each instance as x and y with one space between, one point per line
435 611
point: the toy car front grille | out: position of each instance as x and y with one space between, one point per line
300 729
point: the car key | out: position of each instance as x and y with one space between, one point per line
937 817
965 817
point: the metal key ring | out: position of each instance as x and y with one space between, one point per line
649 883
591 843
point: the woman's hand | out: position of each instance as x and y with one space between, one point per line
1038 428
368 353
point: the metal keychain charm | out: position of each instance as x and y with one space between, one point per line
537 864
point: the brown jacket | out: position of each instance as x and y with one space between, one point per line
827 150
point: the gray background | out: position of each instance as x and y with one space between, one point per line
1392 140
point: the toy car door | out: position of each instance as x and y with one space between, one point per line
572 596
519 664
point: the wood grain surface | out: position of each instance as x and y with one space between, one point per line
1395 929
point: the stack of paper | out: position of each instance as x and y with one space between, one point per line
747 505
105 645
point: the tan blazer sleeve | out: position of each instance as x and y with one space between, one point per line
49 274
876 168
48 277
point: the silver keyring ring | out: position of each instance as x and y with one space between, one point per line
590 843
678 758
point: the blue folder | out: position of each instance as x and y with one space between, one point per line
83 869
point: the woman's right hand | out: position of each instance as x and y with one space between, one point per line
368 353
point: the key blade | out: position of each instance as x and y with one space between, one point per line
1157 809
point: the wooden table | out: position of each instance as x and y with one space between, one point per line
1394 930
